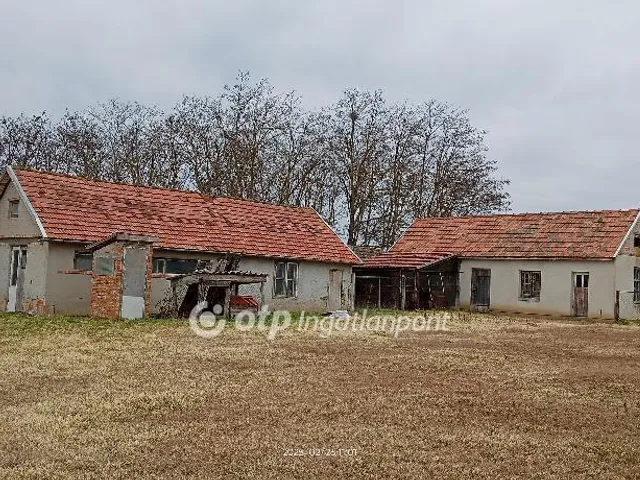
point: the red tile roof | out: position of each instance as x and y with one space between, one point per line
75 208
564 235
407 260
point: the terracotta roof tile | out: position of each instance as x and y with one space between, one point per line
394 259
75 208
590 234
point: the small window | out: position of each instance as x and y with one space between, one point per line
636 241
286 279
530 285
636 285
83 261
174 265
23 259
14 208
105 265
178 265
159 265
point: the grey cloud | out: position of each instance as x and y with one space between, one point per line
555 84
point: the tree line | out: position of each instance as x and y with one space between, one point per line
369 167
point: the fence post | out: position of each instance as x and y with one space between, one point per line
616 308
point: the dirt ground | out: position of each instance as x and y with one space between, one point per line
491 397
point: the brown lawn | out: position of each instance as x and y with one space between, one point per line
492 397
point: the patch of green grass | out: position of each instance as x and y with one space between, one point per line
634 322
17 324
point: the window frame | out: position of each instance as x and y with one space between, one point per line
636 285
527 291
14 208
159 261
168 264
287 279
78 255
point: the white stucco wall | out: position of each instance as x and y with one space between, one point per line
34 281
313 284
67 293
23 231
22 226
625 263
556 285
35 275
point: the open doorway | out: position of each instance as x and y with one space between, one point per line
17 265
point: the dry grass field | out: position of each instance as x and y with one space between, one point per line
491 397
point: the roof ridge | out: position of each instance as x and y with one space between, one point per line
517 214
87 210
153 187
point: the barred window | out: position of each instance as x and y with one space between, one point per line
636 285
530 285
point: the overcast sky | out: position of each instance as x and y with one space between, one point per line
556 84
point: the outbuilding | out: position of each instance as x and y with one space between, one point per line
581 264
65 239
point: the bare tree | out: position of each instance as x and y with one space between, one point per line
367 166
79 145
452 173
125 129
28 142
356 143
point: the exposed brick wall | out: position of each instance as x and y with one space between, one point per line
105 296
106 290
35 305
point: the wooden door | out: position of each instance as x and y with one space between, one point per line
480 288
334 302
580 296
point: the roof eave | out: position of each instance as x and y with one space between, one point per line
25 200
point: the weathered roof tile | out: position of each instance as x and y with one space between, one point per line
75 208
564 235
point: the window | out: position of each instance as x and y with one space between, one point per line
636 285
174 265
286 279
582 280
159 265
82 261
13 208
530 284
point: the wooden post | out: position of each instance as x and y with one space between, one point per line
379 293
416 290
227 298
403 292
262 294
352 293
616 308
